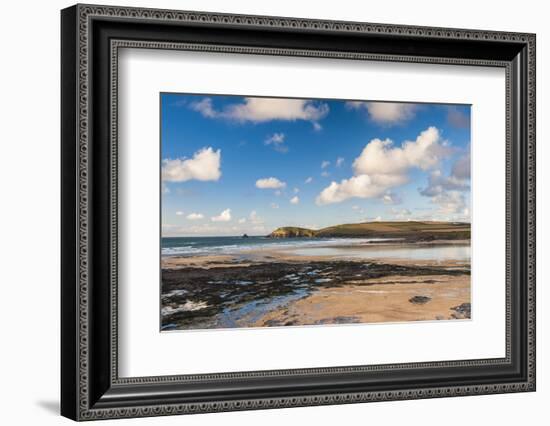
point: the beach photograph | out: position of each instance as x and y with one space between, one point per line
280 212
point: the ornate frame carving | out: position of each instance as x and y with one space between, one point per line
110 397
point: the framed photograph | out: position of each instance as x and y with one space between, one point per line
263 212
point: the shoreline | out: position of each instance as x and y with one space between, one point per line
274 287
277 254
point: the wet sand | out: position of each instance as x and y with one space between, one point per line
391 299
269 288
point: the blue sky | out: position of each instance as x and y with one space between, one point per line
232 164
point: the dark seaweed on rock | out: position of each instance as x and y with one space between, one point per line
214 290
420 300
462 311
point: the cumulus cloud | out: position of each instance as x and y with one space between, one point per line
195 216
360 186
452 203
224 216
458 179
308 180
448 192
296 190
277 141
381 157
242 220
339 161
295 200
258 110
270 183
438 183
325 164
179 213
386 113
204 166
381 166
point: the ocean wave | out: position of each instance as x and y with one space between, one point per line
194 248
186 307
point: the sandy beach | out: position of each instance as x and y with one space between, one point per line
277 287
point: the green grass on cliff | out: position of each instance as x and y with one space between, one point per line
408 230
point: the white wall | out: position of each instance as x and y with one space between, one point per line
29 225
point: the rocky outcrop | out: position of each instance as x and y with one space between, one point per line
406 231
292 232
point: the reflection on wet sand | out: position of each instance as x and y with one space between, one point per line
317 286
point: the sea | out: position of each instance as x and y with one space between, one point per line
338 247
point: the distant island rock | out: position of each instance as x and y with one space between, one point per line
409 231
245 236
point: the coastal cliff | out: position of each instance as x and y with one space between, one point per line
292 232
410 231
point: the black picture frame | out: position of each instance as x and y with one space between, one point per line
90 38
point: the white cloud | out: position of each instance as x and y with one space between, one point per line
385 112
204 166
448 192
401 213
224 216
165 189
242 220
277 140
451 203
379 157
202 229
308 180
179 213
259 110
274 205
205 107
325 164
378 219
296 190
317 127
380 167
270 183
259 228
195 216
391 198
438 183
360 186
255 219
295 200
278 193
325 174
457 180
339 161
